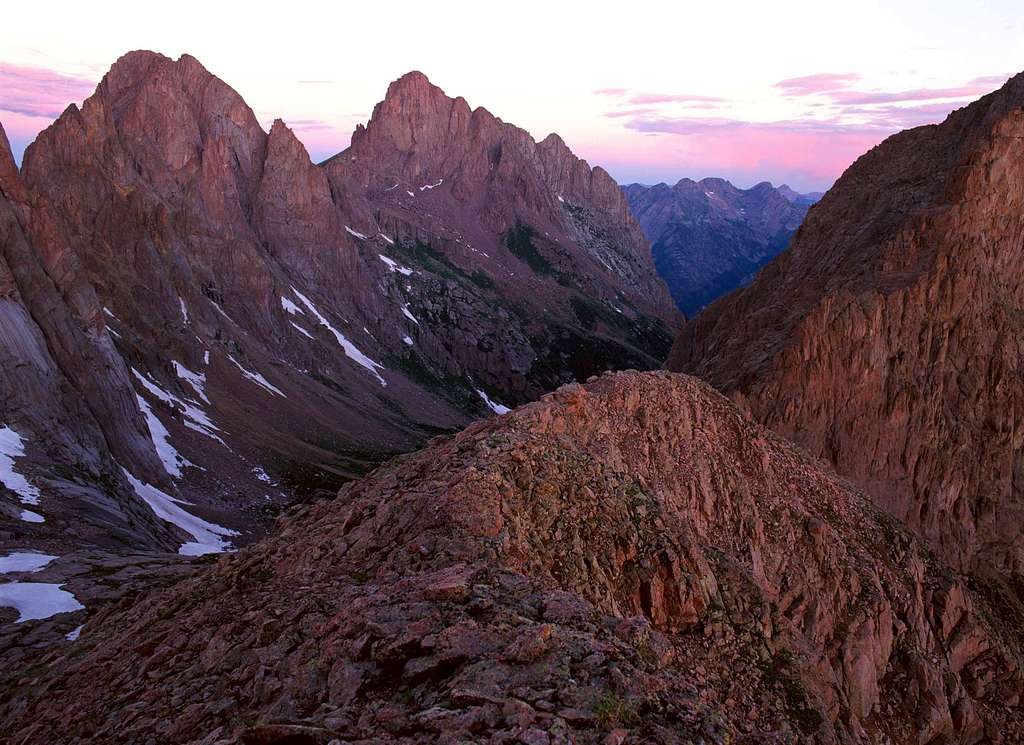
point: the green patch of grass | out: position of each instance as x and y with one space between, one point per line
519 241
482 279
777 673
449 387
613 711
425 256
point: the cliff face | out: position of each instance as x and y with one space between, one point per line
709 237
68 415
305 321
887 339
633 557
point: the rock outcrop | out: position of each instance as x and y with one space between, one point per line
709 237
629 561
888 338
287 326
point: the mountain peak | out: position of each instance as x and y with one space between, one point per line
413 85
412 78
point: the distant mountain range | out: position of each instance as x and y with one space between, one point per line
709 237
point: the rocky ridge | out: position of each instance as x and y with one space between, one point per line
633 560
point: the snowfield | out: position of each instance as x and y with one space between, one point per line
171 458
24 561
11 447
208 538
37 600
258 379
350 349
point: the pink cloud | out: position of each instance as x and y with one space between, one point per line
811 153
310 125
902 117
649 98
704 125
918 94
819 83
836 87
641 111
38 92
642 99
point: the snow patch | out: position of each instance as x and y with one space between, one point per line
195 418
290 307
258 379
24 561
113 333
223 312
11 447
493 405
409 315
208 538
196 380
31 517
395 266
184 310
37 600
171 458
350 349
301 330
389 241
356 233
74 633
407 340
425 187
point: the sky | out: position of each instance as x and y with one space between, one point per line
788 92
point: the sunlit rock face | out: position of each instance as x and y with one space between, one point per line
887 339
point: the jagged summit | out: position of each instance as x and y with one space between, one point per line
399 291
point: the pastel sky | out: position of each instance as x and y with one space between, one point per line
786 92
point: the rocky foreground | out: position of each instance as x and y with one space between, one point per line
633 560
